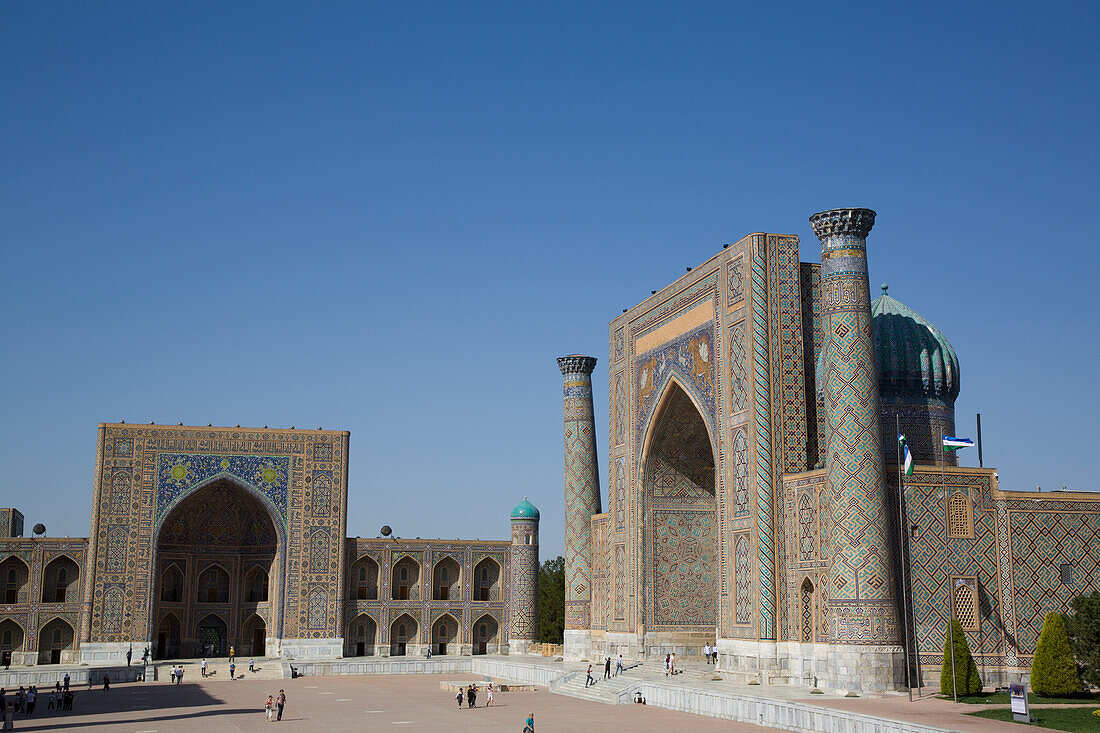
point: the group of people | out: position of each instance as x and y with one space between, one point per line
710 653
471 696
24 700
273 708
177 674
670 664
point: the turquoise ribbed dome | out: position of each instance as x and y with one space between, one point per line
914 358
525 510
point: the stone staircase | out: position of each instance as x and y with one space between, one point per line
218 670
605 691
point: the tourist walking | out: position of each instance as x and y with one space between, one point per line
173 680
529 724
269 707
607 669
619 666
458 697
252 665
145 656
66 680
106 681
202 666
280 703
129 655
589 681
179 675
232 653
232 670
489 696
672 663
471 696
706 652
32 698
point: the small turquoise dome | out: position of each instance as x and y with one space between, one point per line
914 358
525 510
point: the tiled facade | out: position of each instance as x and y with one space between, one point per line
732 515
209 538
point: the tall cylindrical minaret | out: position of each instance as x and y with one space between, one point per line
861 607
582 499
524 587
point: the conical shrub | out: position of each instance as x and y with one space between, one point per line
1053 670
967 681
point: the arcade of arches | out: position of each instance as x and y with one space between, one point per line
217 565
205 539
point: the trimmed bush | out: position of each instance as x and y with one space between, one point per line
1053 671
967 680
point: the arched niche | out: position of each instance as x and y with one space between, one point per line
487 575
446 580
59 580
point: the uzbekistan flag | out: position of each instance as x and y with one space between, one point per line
956 443
908 455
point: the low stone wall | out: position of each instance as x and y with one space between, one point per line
45 676
781 714
531 674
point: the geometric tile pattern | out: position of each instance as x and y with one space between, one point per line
742 579
685 571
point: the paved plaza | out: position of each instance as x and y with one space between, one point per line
373 703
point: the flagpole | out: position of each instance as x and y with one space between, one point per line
950 590
902 562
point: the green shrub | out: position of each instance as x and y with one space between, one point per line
1083 628
1053 671
967 680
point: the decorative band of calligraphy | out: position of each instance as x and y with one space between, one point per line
845 294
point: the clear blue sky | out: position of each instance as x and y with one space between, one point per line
391 219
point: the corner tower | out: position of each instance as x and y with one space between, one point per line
582 499
524 596
861 609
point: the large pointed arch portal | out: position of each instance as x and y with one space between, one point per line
681 519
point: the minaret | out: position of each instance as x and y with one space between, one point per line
861 608
582 499
523 595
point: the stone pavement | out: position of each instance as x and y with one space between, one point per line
369 703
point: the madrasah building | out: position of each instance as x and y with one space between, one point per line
752 474
206 539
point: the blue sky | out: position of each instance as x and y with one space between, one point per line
392 218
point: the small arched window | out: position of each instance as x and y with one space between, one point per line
401 631
443 573
57 636
485 575
959 522
966 605
7 637
363 574
404 573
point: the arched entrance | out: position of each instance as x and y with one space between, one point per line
487 580
11 642
59 580
486 635
444 634
361 636
55 642
681 521
254 636
445 577
219 562
168 637
13 580
212 634
402 633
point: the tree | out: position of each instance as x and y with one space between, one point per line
1083 628
552 601
967 681
1053 671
